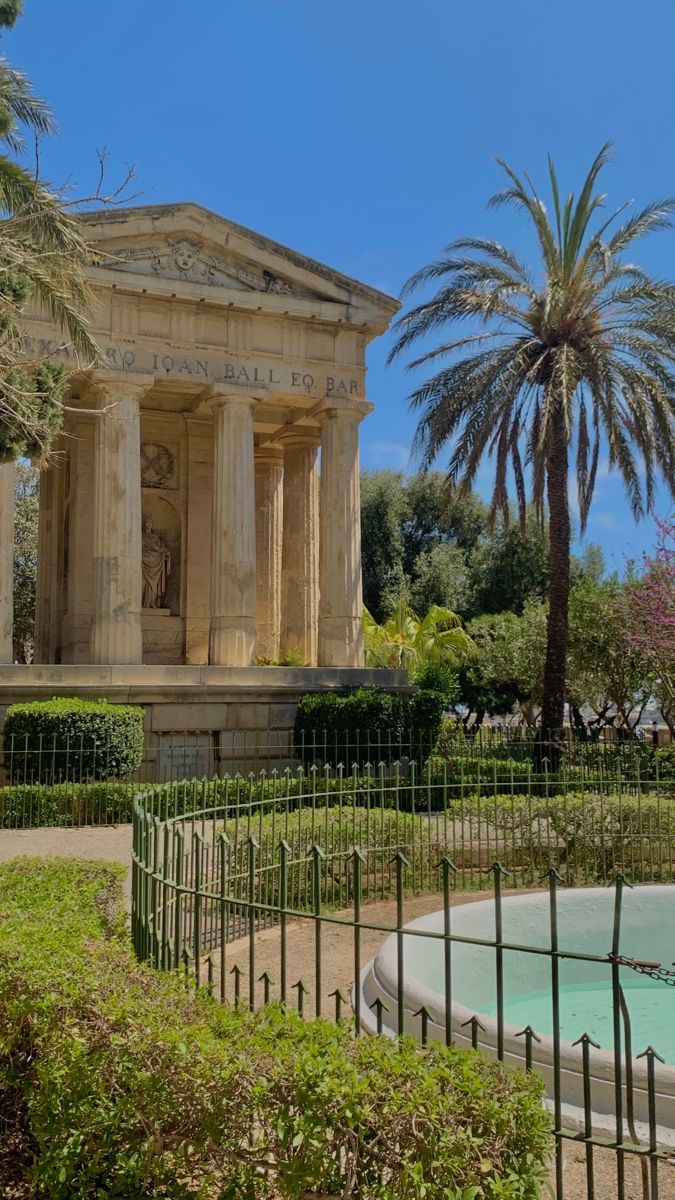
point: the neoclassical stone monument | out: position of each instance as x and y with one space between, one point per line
183 521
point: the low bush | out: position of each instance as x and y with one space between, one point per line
30 805
64 739
367 725
131 1086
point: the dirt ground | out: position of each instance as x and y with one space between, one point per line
114 844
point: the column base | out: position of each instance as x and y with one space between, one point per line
232 641
341 642
117 642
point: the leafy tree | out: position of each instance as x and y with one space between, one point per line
508 666
441 577
42 255
509 568
432 517
604 669
383 506
552 365
649 613
25 559
588 566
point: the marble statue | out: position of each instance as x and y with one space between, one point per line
156 565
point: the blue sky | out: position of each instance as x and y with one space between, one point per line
364 133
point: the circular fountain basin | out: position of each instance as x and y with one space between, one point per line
585 917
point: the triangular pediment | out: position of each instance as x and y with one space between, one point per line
191 245
190 261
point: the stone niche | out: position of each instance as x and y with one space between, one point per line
163 626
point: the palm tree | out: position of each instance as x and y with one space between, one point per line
406 640
42 257
558 363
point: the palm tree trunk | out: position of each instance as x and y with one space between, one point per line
553 707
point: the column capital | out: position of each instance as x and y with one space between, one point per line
268 455
342 408
218 394
298 435
131 385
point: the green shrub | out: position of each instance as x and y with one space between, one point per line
366 725
30 805
131 1086
439 677
52 740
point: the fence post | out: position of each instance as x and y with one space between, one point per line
253 846
402 865
499 872
224 850
179 861
447 866
358 861
317 857
585 1041
620 883
554 878
198 871
284 852
652 1058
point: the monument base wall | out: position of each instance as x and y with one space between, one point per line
198 720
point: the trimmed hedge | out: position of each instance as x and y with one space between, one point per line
125 1084
53 740
367 725
55 805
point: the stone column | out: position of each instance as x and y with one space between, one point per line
340 586
300 556
81 442
232 637
7 478
45 566
269 469
116 635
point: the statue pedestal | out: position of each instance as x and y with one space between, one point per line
155 612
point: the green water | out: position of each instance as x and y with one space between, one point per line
587 1008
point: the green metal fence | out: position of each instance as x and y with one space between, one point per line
49 784
281 886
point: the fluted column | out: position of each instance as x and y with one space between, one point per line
7 476
116 608
232 636
269 470
340 584
300 555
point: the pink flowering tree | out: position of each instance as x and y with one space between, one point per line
650 609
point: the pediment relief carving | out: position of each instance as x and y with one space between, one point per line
183 259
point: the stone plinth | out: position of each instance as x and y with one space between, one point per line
242 707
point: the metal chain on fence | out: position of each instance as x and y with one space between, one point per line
652 969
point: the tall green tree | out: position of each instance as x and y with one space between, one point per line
383 508
509 567
42 257
25 559
556 361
